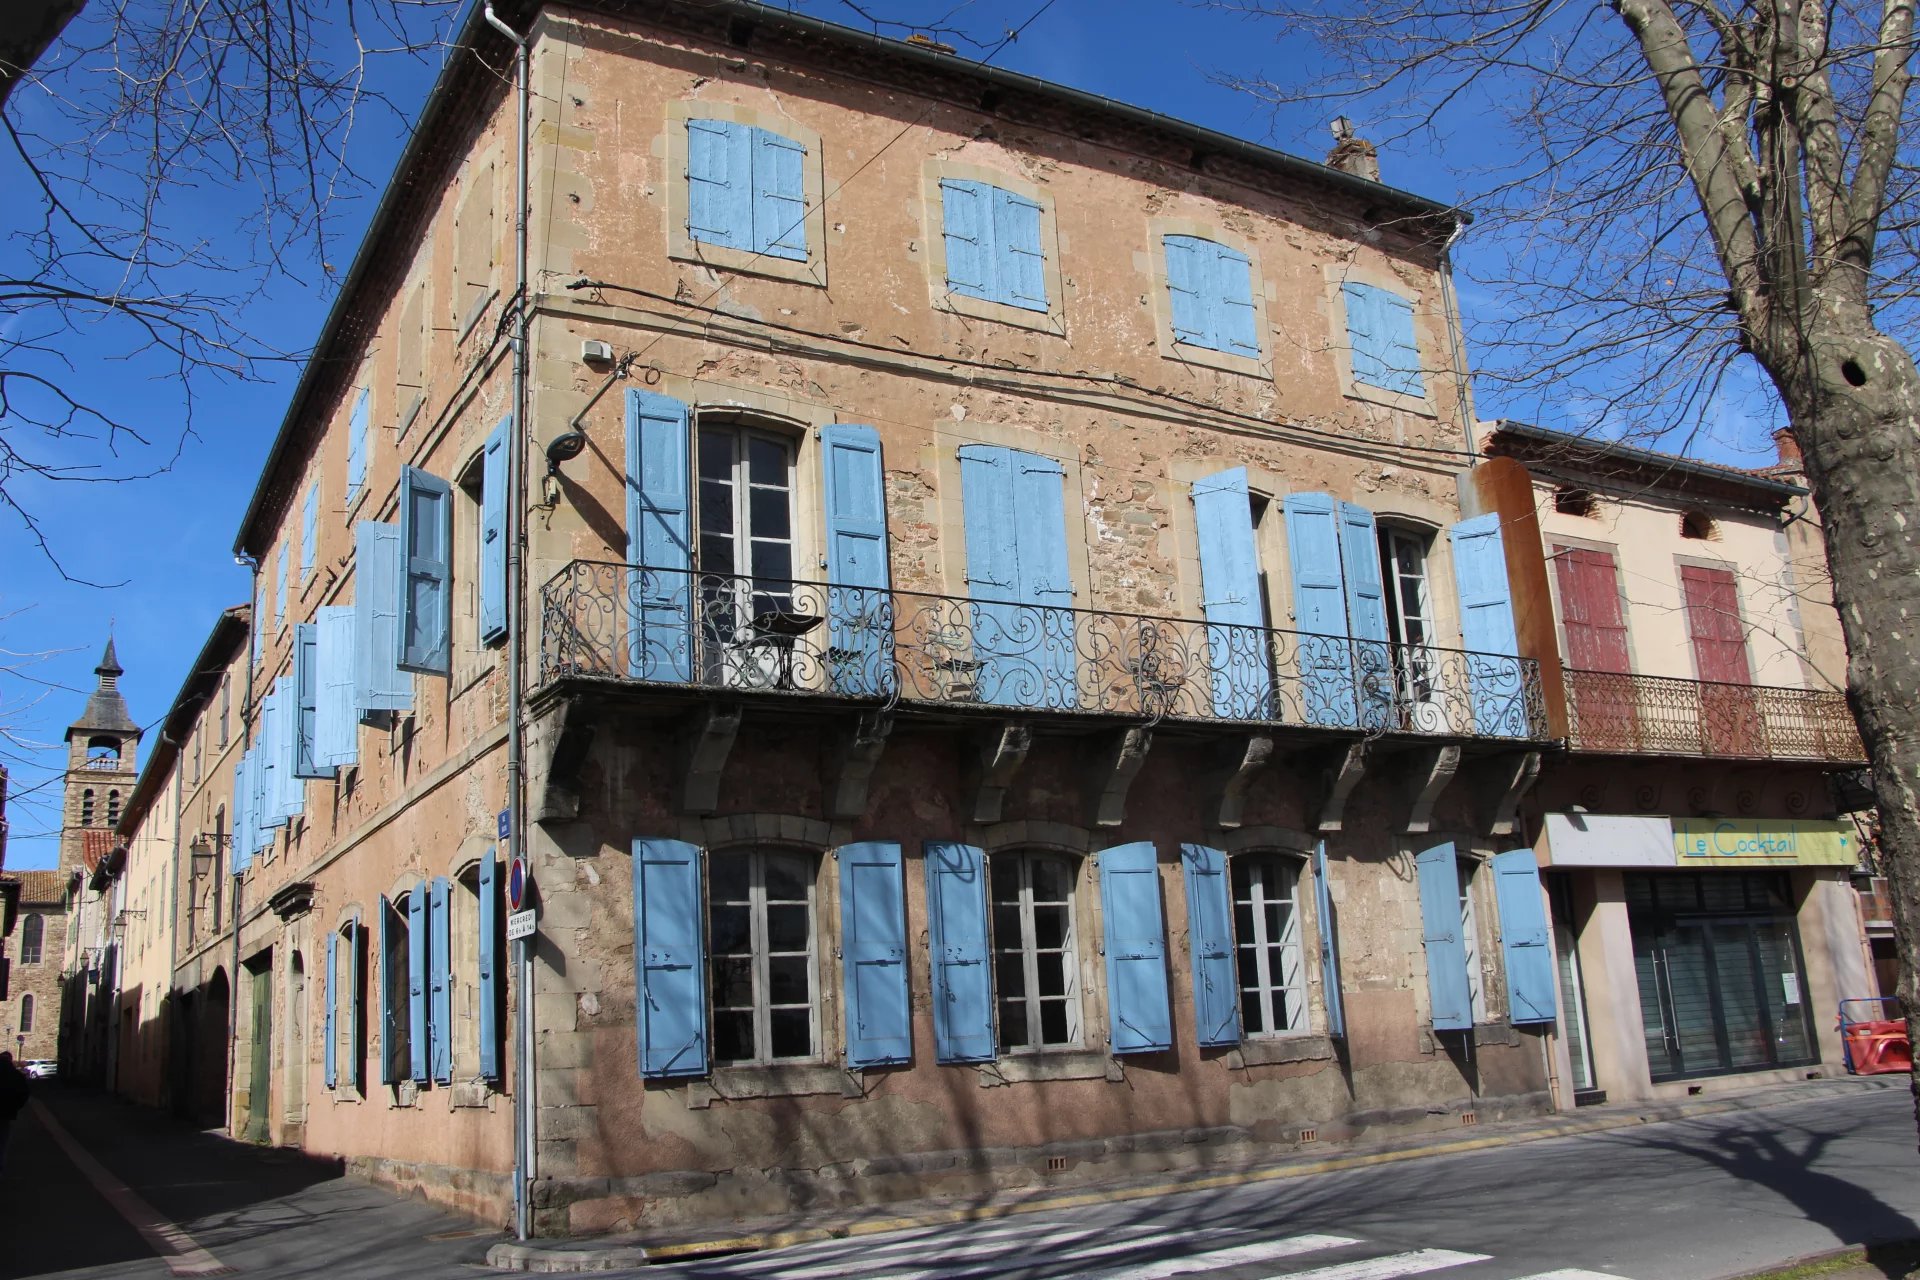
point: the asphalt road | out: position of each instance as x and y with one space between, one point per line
1697 1199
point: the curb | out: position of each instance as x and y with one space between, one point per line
535 1256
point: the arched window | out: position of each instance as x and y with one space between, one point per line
1036 961
764 976
86 807
1569 501
1699 526
26 1014
113 808
103 753
32 939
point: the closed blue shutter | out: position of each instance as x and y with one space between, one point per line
957 941
1040 534
258 620
1230 596
356 1020
379 684
1367 615
966 217
306 681
873 931
1020 268
309 522
357 447
1364 339
493 534
1320 610
329 1048
1136 937
419 1023
1400 350
1440 924
670 961
1380 332
336 720
292 788
1329 929
1235 318
280 601
859 606
393 1067
440 971
490 938
993 575
719 184
1190 289
266 781
659 541
1523 937
1486 624
1216 989
426 542
779 196
242 821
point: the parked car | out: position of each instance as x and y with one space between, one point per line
40 1068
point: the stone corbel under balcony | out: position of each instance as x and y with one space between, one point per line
709 741
1247 760
1001 756
1119 759
1501 783
557 748
860 751
1343 768
1428 772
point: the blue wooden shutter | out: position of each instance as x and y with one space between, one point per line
993 574
957 941
966 218
440 979
329 1049
1138 1015
493 534
1040 536
1190 289
490 987
659 538
1216 988
1020 266
1320 609
779 196
356 1020
719 184
1329 929
306 682
670 958
859 606
258 620
873 932
393 1068
357 447
1367 615
1230 597
293 788
1524 937
267 813
1380 332
242 821
1235 328
1440 924
309 522
426 542
280 600
336 720
379 684
419 1022
1486 624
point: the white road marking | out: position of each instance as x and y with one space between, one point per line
1571 1273
1238 1255
870 1255
1391 1267
181 1252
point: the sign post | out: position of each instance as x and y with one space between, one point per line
521 922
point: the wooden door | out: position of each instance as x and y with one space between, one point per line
260 1084
1600 687
1729 713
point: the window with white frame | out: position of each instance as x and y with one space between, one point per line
762 957
1035 952
1470 938
1266 934
746 551
1403 568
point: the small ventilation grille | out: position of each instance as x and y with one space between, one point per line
1056 1163
1469 1117
1309 1135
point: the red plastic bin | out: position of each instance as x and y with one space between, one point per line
1878 1047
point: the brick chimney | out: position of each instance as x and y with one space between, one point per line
1788 448
1352 153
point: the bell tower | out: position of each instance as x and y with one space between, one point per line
101 768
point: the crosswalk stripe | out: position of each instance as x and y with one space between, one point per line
1391 1267
1238 1255
872 1252
1571 1273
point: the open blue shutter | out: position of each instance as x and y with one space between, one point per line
966 219
336 719
1440 924
1189 288
779 196
1524 937
1367 615
719 184
329 1049
1230 596
1040 536
266 782
1329 929
307 680
242 822
356 1019
1486 624
669 948
1236 330
419 1023
1320 610
379 684
292 788
280 600
490 939
1216 988
393 1068
873 931
493 533
993 575
859 606
957 941
258 619
1136 936
426 542
357 447
1020 270
440 971
309 522
659 538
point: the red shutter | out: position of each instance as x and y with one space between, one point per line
1730 723
1590 610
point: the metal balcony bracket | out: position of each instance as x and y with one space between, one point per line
1506 781
709 742
1256 755
1340 780
860 752
1120 758
1000 759
1429 771
557 748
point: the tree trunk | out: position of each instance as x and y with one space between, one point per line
1854 401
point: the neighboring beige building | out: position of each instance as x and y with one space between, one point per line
30 1011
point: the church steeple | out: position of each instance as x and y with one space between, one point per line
106 711
101 767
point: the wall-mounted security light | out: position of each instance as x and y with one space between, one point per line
594 351
565 447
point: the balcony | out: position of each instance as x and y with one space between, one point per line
1653 715
626 625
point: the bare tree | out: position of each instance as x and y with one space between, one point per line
1697 184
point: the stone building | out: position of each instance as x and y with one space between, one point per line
30 1010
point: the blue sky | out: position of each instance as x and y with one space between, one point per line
167 540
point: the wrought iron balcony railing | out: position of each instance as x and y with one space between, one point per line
629 624
1656 715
